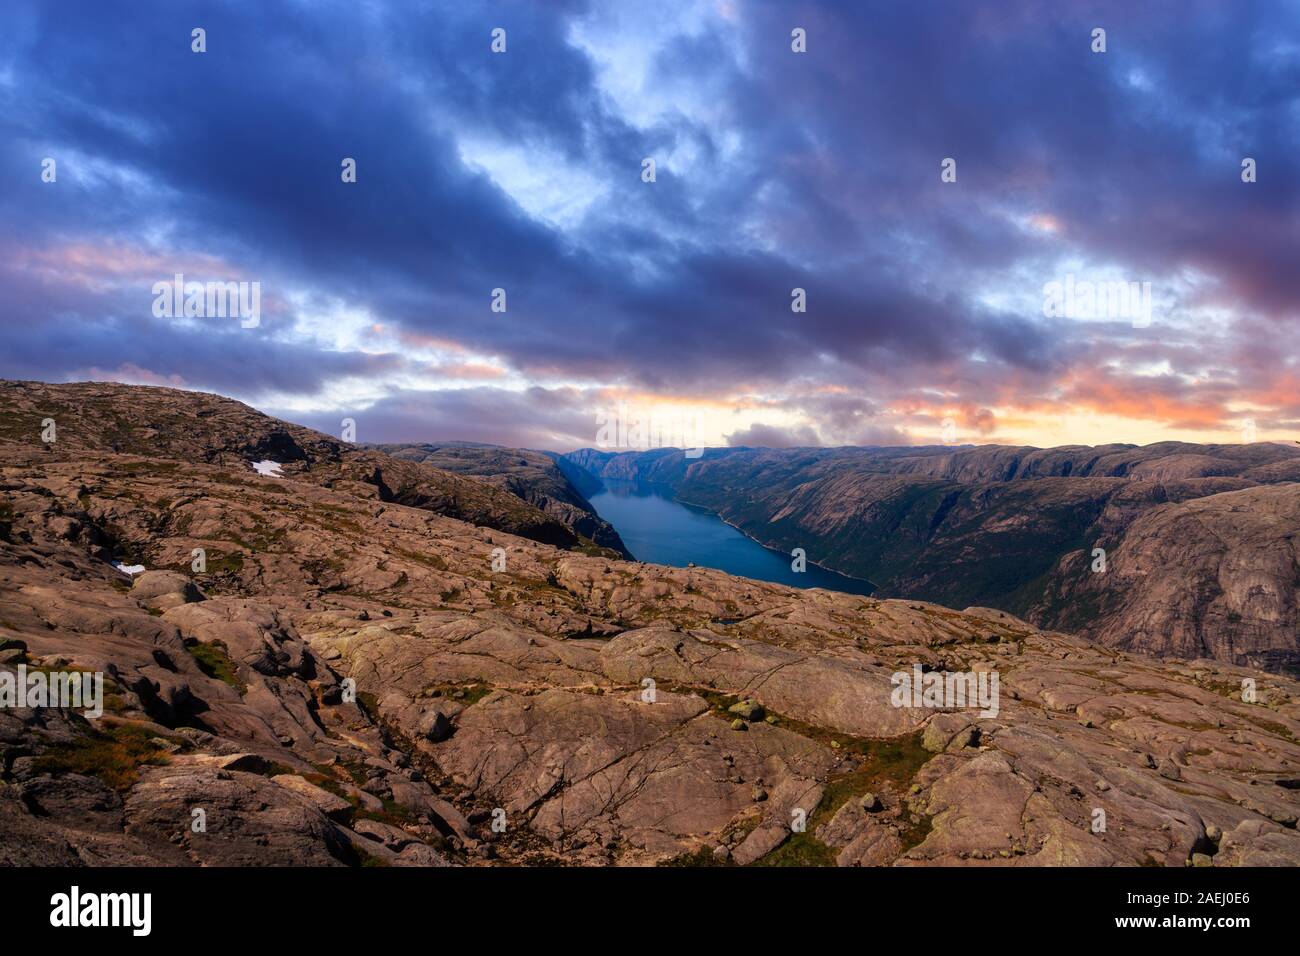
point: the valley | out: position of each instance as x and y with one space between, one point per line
1201 540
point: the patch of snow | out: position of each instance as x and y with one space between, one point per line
268 468
131 569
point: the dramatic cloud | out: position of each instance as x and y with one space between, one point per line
522 171
767 436
533 418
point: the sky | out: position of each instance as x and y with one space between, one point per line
945 181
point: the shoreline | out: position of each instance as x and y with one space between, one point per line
762 544
749 537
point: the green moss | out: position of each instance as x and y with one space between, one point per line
393 813
215 662
915 833
889 765
701 857
231 562
901 751
136 467
885 765
802 849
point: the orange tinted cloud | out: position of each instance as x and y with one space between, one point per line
1144 398
468 371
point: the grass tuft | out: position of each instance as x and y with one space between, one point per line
113 755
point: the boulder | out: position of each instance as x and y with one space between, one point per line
434 726
159 588
747 710
944 729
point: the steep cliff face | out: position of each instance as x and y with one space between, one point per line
523 689
1212 577
532 476
988 525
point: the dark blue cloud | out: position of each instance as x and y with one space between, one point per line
776 170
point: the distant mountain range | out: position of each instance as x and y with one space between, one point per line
1200 541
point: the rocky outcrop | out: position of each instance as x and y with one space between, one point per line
532 476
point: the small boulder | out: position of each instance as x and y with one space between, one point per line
747 710
967 737
434 726
944 729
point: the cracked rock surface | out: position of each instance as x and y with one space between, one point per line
348 681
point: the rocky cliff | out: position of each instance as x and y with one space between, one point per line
1216 577
533 476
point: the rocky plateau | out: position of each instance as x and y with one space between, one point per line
353 679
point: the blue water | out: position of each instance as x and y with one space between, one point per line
660 530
